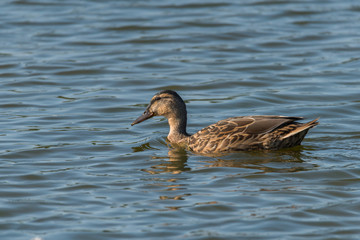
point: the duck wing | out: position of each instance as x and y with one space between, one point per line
265 124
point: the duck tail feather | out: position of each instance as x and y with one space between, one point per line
302 128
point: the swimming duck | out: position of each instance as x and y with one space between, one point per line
228 135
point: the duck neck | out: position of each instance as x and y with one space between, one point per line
177 125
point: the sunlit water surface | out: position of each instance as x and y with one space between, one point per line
75 74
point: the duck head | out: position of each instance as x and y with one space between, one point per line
166 103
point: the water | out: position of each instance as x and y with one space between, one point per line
75 74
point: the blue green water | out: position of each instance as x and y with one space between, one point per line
75 74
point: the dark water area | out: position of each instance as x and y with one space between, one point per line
75 74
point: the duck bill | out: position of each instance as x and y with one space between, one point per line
146 115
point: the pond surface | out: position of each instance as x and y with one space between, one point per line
75 74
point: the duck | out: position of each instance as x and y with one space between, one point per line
243 133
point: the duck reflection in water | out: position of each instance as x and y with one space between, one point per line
281 161
175 162
286 160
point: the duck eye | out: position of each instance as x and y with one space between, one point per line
157 98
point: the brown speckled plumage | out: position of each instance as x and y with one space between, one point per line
228 135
